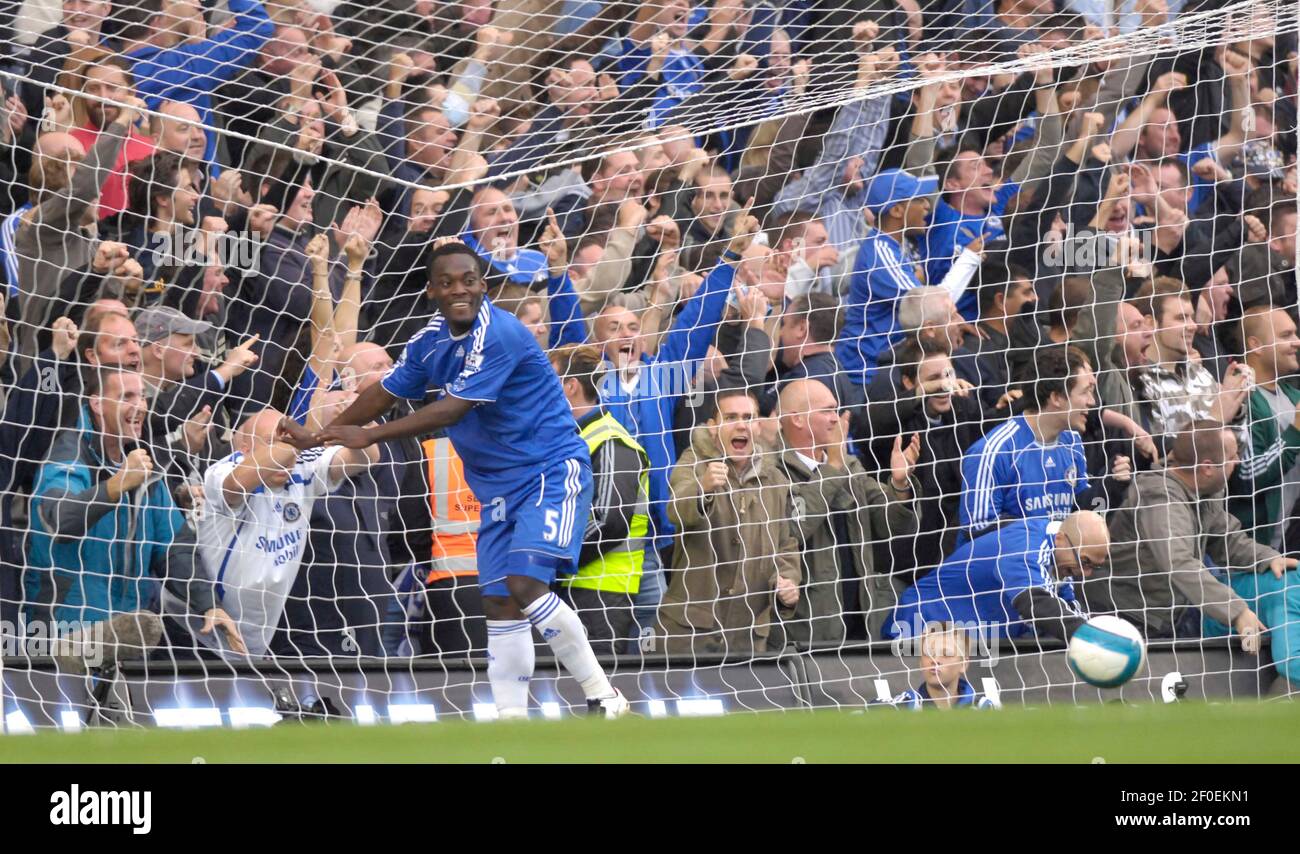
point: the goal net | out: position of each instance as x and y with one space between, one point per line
899 338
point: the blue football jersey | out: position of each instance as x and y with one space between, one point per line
978 583
882 272
521 418
951 230
1010 474
919 697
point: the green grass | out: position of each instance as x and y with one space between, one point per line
1241 733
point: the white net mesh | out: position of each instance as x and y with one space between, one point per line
870 317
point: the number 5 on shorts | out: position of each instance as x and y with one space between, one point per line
552 526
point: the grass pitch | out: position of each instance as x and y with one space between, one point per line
1238 733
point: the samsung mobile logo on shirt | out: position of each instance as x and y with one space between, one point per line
288 538
1053 503
73 807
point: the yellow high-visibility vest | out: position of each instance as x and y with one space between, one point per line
619 569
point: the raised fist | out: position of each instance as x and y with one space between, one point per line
135 470
714 477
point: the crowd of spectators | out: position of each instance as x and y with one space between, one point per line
820 359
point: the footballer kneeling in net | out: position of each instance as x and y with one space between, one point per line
1016 580
505 413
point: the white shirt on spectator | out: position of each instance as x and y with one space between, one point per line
253 552
812 464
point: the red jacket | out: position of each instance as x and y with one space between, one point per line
112 195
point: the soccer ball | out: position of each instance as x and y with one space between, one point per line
1107 651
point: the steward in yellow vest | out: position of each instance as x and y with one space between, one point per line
614 546
614 542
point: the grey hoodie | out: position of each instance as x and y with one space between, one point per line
1160 538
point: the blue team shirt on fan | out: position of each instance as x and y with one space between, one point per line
528 267
1010 474
522 419
918 698
682 75
979 582
1202 189
951 230
883 271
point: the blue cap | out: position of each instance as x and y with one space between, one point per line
890 187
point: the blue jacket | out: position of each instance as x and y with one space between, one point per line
191 72
647 411
1202 190
104 557
949 232
882 272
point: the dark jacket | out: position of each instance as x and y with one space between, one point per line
824 368
338 602
394 306
341 175
175 403
938 471
246 104
42 403
275 304
1200 106
886 384
616 471
840 517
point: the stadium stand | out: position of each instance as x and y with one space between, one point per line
804 325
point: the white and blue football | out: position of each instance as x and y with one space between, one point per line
1107 651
